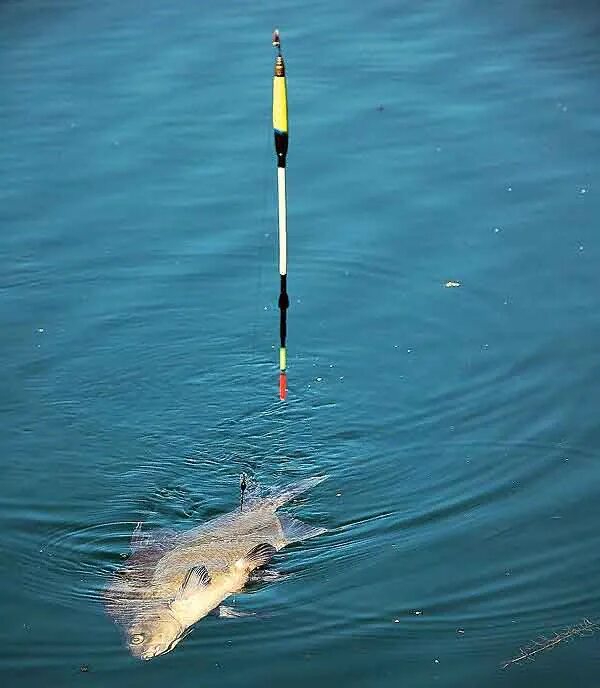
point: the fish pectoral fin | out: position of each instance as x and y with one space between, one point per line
196 577
225 612
258 556
266 576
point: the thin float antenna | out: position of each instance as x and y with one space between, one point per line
280 128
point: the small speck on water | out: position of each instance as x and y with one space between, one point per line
509 188
583 190
497 230
338 494
408 351
396 620
319 379
460 631
40 329
437 661
418 612
452 283
581 247
84 668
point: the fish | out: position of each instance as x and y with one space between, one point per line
172 580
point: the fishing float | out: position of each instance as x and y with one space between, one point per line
280 129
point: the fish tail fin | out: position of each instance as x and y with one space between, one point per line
295 530
291 491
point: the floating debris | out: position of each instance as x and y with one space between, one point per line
584 628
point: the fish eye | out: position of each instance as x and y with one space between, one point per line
137 638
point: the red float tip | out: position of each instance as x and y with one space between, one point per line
282 386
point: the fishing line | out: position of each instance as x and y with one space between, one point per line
280 137
262 254
265 251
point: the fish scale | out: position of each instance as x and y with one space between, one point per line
220 547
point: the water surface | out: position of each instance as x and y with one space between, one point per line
432 142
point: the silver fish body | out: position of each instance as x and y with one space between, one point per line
171 580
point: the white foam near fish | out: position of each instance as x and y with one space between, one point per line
172 580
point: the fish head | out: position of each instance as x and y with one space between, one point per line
154 635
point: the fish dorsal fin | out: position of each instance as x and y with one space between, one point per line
196 577
139 540
259 555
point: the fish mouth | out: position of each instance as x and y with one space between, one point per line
156 652
150 654
151 650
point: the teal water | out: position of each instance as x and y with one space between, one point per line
429 142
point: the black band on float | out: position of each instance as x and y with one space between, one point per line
281 147
284 302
